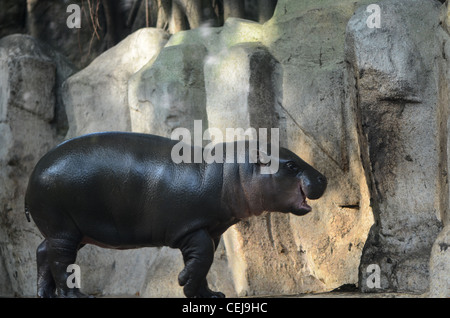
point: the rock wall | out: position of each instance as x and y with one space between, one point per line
31 76
440 253
308 41
366 106
403 137
96 97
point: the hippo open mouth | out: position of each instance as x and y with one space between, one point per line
303 207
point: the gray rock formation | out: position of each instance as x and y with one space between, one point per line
440 265
96 97
30 82
307 39
402 139
440 253
169 92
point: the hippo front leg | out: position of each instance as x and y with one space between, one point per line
198 254
204 291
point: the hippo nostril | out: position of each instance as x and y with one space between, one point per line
322 179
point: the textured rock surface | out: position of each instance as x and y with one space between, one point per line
440 253
242 86
169 92
440 265
30 80
96 97
401 138
307 39
445 17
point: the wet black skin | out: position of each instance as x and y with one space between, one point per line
122 190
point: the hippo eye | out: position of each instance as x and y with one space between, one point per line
292 166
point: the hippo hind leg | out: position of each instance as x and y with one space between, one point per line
61 254
198 254
45 283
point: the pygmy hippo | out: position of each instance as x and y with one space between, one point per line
122 190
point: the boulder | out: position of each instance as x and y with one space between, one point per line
440 252
30 81
445 17
307 38
95 98
440 265
401 138
242 86
169 92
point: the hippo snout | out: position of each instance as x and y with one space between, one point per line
313 184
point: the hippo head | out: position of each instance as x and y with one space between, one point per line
288 189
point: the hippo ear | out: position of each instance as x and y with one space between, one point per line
259 157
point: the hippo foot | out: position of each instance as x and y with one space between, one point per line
192 290
208 293
205 292
46 293
198 254
73 294
46 288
